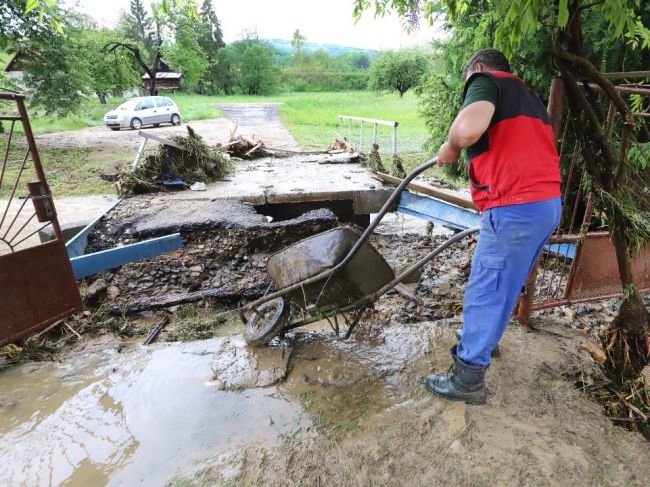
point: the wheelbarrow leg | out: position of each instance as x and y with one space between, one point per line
354 323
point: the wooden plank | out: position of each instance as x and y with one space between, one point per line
427 189
87 265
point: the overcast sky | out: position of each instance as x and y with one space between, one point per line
321 21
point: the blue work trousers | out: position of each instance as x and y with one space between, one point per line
510 241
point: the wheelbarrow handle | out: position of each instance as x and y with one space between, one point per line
385 209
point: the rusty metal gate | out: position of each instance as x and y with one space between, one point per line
579 264
37 287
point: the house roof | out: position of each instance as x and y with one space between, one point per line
11 61
170 75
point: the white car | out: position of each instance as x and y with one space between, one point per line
146 110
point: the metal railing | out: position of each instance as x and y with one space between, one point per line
371 121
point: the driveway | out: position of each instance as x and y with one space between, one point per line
260 120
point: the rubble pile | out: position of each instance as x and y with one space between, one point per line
170 166
225 254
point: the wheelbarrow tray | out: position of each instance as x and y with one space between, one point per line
366 272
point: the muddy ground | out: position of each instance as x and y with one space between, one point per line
94 406
356 411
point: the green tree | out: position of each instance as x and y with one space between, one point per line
398 70
354 61
211 39
257 72
58 71
298 44
186 55
109 73
225 77
139 25
166 17
618 188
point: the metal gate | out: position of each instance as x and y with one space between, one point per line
580 263
37 287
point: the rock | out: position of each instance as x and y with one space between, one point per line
236 366
96 292
112 292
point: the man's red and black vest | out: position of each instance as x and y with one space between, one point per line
515 160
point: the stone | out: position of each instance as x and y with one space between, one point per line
237 366
112 292
96 292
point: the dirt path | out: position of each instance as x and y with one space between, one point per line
258 119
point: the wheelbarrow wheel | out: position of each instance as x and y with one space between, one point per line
266 323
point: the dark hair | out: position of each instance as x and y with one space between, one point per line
490 58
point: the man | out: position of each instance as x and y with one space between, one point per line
515 182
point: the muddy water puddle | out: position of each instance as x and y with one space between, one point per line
148 415
125 419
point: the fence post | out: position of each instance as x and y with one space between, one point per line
361 137
340 125
395 139
374 137
350 130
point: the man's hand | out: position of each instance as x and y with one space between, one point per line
448 154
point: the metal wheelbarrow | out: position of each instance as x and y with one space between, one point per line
333 274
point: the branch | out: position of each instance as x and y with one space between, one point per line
589 71
135 50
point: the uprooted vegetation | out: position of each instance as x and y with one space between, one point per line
194 162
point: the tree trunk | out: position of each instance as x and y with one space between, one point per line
102 97
606 167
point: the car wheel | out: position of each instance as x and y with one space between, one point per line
114 128
136 124
176 119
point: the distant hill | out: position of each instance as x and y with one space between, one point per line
333 49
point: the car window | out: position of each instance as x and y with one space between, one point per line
159 102
169 102
138 107
148 103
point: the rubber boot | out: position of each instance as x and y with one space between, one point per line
465 382
495 353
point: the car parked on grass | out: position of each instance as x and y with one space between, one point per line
141 111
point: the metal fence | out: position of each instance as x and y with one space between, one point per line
36 279
579 264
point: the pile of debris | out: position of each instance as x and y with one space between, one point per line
242 147
189 161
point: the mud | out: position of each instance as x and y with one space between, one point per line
375 423
236 366
111 418
315 409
